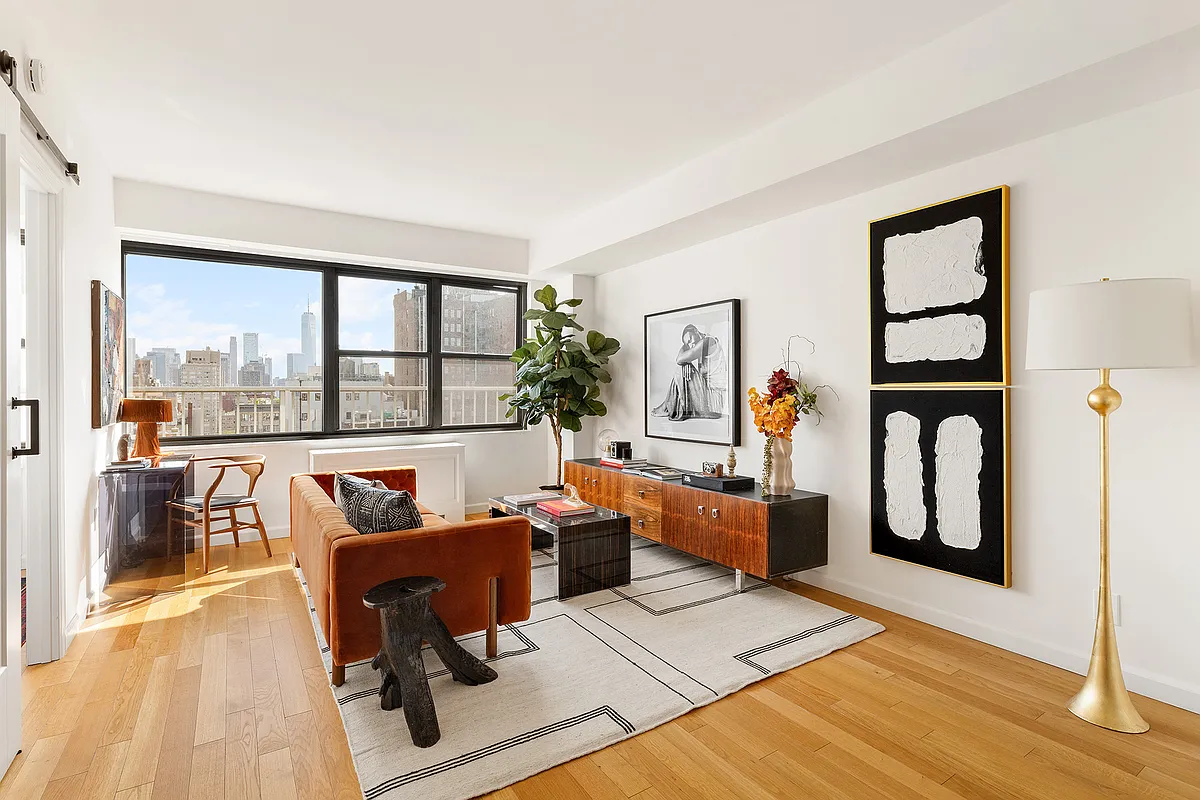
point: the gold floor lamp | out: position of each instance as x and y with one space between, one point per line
1127 324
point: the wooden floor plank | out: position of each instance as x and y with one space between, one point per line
141 761
175 753
241 757
276 781
37 768
268 702
306 750
213 687
289 670
239 676
207 780
210 717
105 771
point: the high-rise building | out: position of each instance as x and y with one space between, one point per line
297 365
308 335
143 373
410 324
201 410
475 321
249 347
131 358
166 365
268 375
233 361
225 369
252 374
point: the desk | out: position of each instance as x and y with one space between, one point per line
133 514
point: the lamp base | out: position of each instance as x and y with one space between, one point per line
146 445
1105 703
1104 700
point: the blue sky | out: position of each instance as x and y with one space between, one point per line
173 302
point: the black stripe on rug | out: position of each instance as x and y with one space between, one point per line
498 747
530 647
746 657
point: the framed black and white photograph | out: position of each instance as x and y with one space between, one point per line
939 480
939 293
693 368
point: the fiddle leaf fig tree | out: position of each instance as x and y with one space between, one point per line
559 372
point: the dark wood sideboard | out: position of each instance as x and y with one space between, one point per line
763 536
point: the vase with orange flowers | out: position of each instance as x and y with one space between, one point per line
775 414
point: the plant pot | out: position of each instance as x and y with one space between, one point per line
777 479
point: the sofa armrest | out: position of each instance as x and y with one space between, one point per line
464 555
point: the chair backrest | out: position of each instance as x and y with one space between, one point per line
252 465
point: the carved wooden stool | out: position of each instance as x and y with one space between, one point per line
405 619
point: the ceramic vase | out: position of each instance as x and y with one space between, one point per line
779 476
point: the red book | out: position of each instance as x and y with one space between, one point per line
562 508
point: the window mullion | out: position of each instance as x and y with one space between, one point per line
433 341
331 372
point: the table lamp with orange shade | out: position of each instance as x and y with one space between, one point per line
147 414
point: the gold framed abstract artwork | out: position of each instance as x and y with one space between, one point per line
939 293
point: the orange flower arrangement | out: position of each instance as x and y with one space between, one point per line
774 417
778 409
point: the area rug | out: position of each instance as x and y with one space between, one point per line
587 672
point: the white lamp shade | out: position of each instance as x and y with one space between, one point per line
1129 324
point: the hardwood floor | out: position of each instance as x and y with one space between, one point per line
215 689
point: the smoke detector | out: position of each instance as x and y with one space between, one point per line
37 75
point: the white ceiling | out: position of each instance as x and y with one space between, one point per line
499 116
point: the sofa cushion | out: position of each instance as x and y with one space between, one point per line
372 510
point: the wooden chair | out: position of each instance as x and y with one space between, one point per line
252 466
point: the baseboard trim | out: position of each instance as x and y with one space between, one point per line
245 535
1144 682
476 508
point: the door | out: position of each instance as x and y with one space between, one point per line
13 423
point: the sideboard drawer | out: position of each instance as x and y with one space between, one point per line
643 491
644 520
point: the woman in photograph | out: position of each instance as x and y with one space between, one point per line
698 388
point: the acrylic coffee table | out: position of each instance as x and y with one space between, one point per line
593 549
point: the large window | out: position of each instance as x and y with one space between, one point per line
255 346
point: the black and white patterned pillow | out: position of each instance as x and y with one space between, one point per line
371 509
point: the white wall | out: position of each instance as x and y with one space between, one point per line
148 210
1117 197
90 251
497 463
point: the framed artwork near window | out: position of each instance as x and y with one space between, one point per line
693 387
108 354
939 293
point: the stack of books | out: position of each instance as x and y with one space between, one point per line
565 508
531 498
623 463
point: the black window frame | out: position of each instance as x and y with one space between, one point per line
331 353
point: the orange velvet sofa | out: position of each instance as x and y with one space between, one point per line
484 563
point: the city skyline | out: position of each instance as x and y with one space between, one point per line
200 329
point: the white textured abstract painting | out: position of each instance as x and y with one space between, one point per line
942 266
958 460
945 338
902 481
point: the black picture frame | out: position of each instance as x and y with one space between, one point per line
991 561
659 330
991 366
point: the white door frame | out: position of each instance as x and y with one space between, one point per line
10 541
48 637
